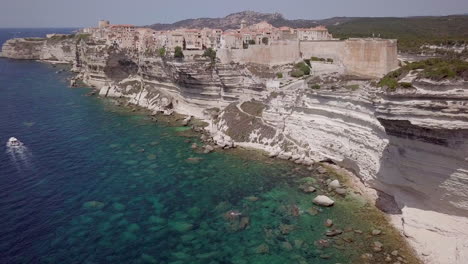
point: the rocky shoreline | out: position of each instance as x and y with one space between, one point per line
411 145
331 182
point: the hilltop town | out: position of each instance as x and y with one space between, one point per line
142 39
259 43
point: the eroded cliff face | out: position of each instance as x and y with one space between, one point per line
41 49
411 144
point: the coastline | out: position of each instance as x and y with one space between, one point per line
352 120
358 190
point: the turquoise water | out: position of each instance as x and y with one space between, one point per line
100 185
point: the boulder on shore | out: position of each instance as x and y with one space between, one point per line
323 200
335 184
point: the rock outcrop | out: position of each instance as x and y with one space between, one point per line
411 144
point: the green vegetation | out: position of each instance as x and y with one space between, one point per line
307 61
297 73
162 52
300 69
406 85
315 87
435 69
34 39
279 75
178 52
353 87
210 53
411 32
303 67
265 40
80 37
330 60
390 82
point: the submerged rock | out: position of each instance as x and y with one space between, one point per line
251 198
262 249
307 188
118 206
186 121
148 259
286 229
334 232
244 222
323 200
133 228
340 191
208 149
312 211
377 246
181 227
93 205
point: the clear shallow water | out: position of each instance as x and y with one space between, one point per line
86 192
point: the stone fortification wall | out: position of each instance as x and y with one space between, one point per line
277 53
362 57
334 49
370 57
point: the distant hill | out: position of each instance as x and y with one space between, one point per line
233 21
411 32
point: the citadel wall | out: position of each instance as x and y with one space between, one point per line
279 52
362 57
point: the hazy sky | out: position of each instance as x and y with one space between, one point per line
80 13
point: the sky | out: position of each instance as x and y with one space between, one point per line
84 13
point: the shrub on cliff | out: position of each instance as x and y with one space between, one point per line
297 73
80 37
389 82
279 75
178 52
434 69
303 67
210 53
307 61
162 52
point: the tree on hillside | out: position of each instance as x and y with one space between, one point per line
178 52
210 53
162 52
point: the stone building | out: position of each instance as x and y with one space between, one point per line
316 33
125 36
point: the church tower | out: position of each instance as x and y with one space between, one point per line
243 24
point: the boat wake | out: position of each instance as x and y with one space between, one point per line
19 154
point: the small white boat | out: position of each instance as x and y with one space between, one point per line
19 153
14 142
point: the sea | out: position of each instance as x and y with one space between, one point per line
97 183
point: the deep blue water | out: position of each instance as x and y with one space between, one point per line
84 191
